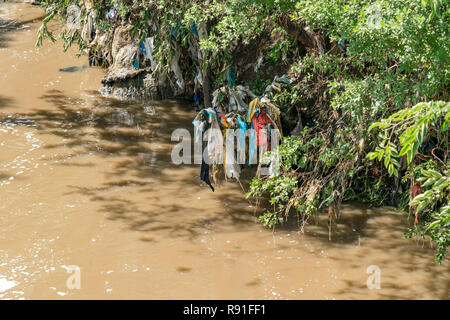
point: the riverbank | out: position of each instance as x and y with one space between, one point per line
85 181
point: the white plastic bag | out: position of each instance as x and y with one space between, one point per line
177 70
149 45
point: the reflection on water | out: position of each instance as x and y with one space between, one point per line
87 181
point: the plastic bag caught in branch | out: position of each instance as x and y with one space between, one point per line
149 45
176 69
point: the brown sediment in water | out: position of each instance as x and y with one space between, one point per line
88 181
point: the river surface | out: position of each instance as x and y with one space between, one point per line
87 181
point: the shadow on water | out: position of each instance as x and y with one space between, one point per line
374 236
5 101
8 26
147 193
363 236
4 176
136 138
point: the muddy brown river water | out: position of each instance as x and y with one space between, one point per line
87 181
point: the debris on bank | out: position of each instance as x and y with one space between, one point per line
259 117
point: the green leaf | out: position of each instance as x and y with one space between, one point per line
380 154
445 126
432 173
404 149
374 125
429 182
422 206
387 159
441 183
372 155
433 225
410 156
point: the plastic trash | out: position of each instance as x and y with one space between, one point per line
86 33
197 99
216 95
283 79
231 77
199 77
259 62
177 70
149 45
342 45
246 91
150 110
142 48
113 13
194 29
202 31
238 97
192 51
176 30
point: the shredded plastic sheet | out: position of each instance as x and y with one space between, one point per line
102 40
193 51
260 115
231 166
176 69
125 58
112 14
259 62
75 16
239 98
194 29
202 31
142 48
231 77
196 55
86 33
283 79
199 77
149 45
236 96
136 62
214 138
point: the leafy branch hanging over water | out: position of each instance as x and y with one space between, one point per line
393 55
416 128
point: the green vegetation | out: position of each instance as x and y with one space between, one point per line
410 127
396 55
371 92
